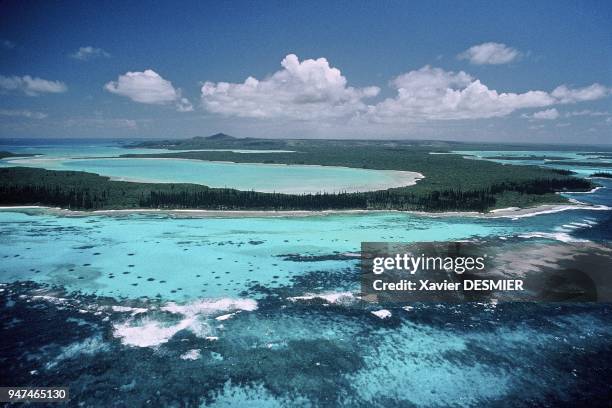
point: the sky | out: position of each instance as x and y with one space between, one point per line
476 71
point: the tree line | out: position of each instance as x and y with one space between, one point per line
113 194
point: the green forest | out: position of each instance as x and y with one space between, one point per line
452 182
87 191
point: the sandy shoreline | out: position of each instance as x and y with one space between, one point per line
511 212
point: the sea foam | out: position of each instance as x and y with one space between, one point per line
333 297
149 332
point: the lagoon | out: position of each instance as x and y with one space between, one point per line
242 176
184 259
289 179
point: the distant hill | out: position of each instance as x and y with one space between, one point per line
212 138
216 141
220 136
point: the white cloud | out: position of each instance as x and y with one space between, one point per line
183 105
552 114
144 87
434 94
23 113
548 114
89 52
490 53
306 90
589 93
150 88
586 112
31 86
312 90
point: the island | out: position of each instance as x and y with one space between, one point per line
451 182
5 154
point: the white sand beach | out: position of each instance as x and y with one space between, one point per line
510 212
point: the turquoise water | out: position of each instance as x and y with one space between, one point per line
189 258
253 311
582 171
103 160
204 257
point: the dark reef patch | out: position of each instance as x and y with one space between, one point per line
559 354
318 258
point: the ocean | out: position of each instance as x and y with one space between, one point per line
155 309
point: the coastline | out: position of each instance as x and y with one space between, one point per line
510 212
593 190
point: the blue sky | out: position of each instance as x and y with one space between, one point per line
483 71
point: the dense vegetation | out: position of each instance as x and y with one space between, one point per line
450 179
5 154
221 141
452 183
602 174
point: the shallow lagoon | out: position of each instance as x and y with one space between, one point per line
188 258
242 176
581 171
295 179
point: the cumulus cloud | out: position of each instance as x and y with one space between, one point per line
150 88
586 112
548 114
589 93
183 105
310 89
23 113
88 53
434 94
490 53
144 87
31 86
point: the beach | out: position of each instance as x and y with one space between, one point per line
510 212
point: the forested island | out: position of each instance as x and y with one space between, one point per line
87 191
5 154
451 183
